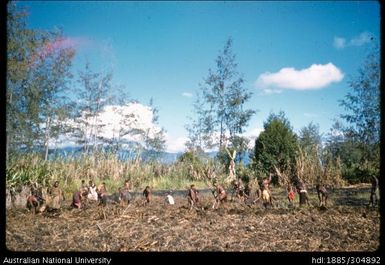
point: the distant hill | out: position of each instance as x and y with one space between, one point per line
165 157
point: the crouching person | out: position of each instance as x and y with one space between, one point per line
35 200
92 194
77 199
169 200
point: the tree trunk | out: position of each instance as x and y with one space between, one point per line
47 134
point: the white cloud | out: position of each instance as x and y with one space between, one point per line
252 134
339 43
175 145
362 39
269 91
115 119
315 77
187 94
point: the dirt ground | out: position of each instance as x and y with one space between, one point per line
347 224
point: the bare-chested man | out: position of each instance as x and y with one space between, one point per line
266 192
322 194
77 199
238 190
125 193
302 191
219 195
192 196
147 194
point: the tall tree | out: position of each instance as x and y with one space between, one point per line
276 147
94 95
21 44
153 138
220 106
37 77
363 106
51 79
309 137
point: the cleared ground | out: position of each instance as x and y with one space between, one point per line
346 225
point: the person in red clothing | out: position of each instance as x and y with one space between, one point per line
290 194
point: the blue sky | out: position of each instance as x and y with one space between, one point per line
163 50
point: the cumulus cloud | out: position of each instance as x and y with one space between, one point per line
362 39
315 77
187 94
115 120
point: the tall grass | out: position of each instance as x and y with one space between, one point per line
29 168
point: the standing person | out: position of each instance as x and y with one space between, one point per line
302 191
219 195
192 196
56 195
265 192
290 194
322 194
373 192
147 194
125 192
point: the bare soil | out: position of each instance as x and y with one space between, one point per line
347 224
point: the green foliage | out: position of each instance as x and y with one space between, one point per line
357 144
363 102
276 146
27 168
220 104
309 137
37 82
189 157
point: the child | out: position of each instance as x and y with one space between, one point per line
147 195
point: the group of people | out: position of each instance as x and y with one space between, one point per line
39 199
